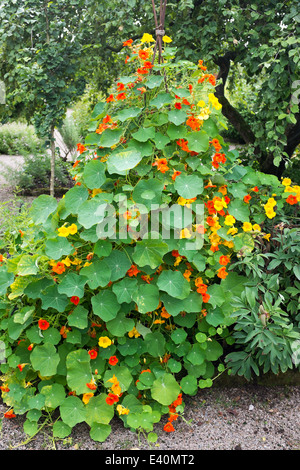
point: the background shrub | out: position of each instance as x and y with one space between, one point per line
17 138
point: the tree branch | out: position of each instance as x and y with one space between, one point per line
231 113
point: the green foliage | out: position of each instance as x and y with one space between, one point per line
17 138
35 173
267 322
112 303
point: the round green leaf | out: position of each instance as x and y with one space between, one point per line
55 248
177 117
198 141
42 207
45 359
72 285
165 389
72 411
61 430
189 385
149 252
155 344
94 174
146 298
188 186
105 305
78 371
123 161
98 411
174 284
54 395
120 263
79 317
98 274
120 325
124 290
100 432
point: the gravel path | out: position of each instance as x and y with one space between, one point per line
235 418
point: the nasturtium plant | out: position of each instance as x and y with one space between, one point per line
118 299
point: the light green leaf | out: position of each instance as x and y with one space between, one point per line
174 284
45 359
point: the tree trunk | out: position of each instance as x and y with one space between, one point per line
52 165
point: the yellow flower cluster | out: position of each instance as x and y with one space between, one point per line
66 231
214 101
248 227
287 182
269 208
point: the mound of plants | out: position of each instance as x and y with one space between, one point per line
119 300
17 138
34 175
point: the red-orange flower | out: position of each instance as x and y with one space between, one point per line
224 260
43 324
93 353
143 54
75 300
175 174
161 164
222 273
247 198
168 427
128 42
178 105
81 148
106 119
9 414
59 268
205 298
110 98
133 271
121 96
111 399
113 360
291 200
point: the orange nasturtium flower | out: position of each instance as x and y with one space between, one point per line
43 324
93 353
133 271
86 397
128 42
9 414
168 427
143 54
224 260
162 164
121 96
113 360
291 200
111 399
222 273
247 198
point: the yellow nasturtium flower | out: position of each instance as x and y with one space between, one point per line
63 231
147 38
247 227
72 229
166 39
229 220
256 227
104 342
286 182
